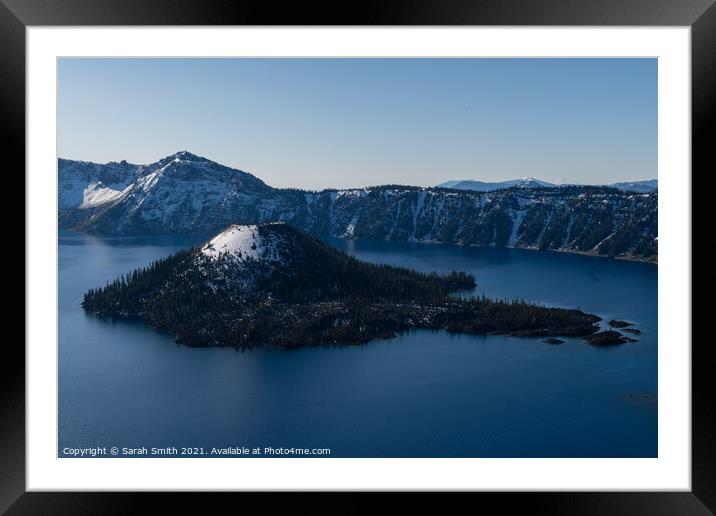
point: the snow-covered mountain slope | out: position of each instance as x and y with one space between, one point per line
243 258
169 195
237 240
86 185
482 186
246 243
187 194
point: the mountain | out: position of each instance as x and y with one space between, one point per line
85 185
177 192
187 194
481 186
648 186
270 284
651 185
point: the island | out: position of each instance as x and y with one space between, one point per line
607 338
273 285
619 324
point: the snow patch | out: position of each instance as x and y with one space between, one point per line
350 230
242 241
416 212
518 217
97 194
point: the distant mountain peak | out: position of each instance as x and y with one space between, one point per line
531 182
185 155
646 186
483 186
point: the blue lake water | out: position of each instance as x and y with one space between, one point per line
423 394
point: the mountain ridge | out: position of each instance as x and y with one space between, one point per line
645 186
186 194
488 186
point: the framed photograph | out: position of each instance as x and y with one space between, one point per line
430 247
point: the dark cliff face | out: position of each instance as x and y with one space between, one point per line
187 194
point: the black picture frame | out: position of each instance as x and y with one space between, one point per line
16 15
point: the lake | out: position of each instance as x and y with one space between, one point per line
422 394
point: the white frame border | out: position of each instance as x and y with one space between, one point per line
671 471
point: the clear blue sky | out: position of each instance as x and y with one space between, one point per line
316 123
